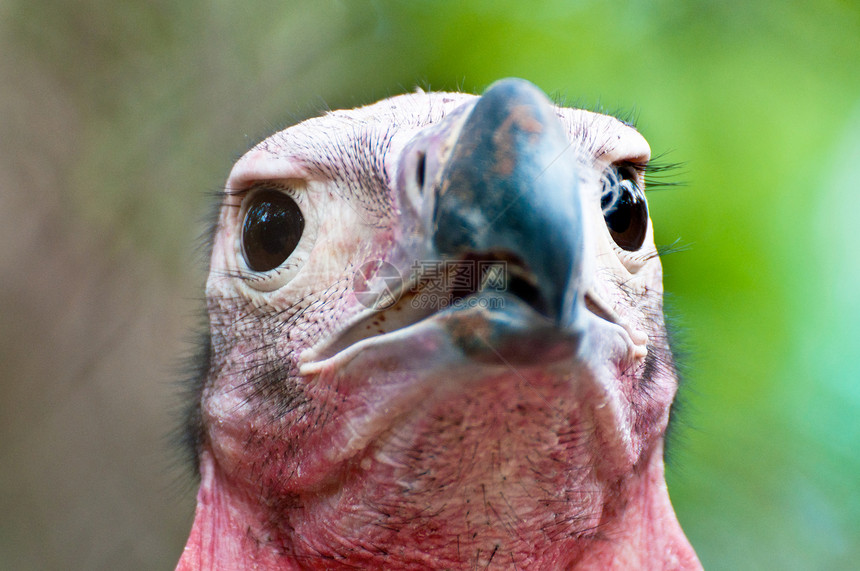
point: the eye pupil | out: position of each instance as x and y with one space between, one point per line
625 212
619 216
271 230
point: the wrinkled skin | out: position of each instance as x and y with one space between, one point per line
331 435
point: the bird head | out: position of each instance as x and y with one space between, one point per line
436 340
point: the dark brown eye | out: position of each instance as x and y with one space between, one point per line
271 230
624 208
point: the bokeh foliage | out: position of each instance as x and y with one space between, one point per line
760 101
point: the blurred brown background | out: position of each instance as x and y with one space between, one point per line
119 119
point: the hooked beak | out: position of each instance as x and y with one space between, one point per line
490 187
508 192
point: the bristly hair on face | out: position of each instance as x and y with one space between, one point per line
674 440
187 435
661 175
627 116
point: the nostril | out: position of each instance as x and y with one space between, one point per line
529 292
421 168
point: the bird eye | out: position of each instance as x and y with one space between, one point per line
624 208
271 230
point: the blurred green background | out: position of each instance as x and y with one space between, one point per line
117 118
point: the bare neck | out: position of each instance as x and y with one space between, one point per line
633 527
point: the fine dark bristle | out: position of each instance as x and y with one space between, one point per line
189 436
679 411
673 248
627 116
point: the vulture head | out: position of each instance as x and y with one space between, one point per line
436 341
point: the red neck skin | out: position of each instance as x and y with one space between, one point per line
634 528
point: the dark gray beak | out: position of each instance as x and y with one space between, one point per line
494 184
509 190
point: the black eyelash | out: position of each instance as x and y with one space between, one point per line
233 192
252 277
659 173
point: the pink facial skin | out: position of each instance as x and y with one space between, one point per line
335 436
